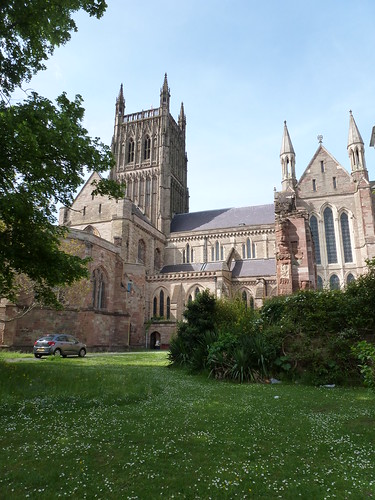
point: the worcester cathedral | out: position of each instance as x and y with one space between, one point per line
150 256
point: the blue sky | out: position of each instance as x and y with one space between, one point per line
241 68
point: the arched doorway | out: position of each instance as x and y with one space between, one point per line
155 340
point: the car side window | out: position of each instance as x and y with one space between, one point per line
71 339
62 338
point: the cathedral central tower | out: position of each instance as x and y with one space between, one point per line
149 148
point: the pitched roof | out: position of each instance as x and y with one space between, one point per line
224 218
194 267
241 268
254 267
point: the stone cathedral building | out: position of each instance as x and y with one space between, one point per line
150 256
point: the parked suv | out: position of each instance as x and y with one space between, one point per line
58 344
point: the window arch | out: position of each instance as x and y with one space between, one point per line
161 307
157 259
329 229
141 251
131 150
155 307
196 292
161 303
244 298
334 282
248 249
168 308
345 235
217 250
99 289
319 283
350 278
315 237
147 148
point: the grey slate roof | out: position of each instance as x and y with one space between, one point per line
195 267
254 267
224 218
241 268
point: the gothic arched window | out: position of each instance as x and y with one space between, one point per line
155 307
315 237
161 303
141 251
330 236
345 234
349 279
157 259
244 298
98 289
217 251
197 292
187 253
319 284
248 249
168 308
131 150
334 282
147 148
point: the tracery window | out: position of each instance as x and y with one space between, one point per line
349 278
131 150
141 251
197 292
147 148
157 259
98 289
345 235
168 308
161 303
320 283
330 236
334 282
315 237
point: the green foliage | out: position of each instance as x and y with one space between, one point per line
360 296
31 30
365 352
44 151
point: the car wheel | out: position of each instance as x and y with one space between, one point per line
38 355
57 353
82 353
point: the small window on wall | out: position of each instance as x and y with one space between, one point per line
131 150
147 148
320 283
315 237
350 278
314 185
334 282
141 251
345 234
322 166
244 298
168 308
334 183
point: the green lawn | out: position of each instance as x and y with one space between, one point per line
126 426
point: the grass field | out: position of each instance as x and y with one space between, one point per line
126 426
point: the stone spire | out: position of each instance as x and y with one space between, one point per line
288 161
356 149
164 93
182 118
120 102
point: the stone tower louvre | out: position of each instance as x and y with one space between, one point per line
149 148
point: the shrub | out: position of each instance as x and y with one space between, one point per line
365 352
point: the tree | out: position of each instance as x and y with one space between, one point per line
44 150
